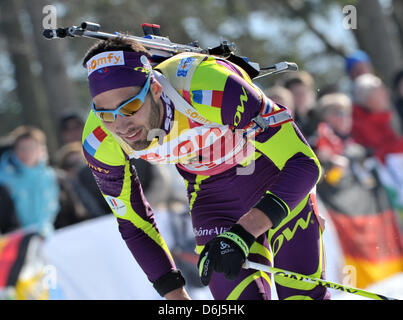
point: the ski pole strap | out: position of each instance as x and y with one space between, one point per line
240 236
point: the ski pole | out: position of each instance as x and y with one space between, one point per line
300 277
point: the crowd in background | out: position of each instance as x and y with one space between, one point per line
42 195
365 122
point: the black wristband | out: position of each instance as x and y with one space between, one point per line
273 208
168 282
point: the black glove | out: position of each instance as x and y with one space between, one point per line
225 253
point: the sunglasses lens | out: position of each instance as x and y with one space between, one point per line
105 116
127 109
132 107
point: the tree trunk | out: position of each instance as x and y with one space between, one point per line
30 95
398 18
374 36
59 88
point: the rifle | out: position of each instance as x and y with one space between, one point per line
162 48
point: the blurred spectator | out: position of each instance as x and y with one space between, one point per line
398 94
282 96
327 89
301 85
358 63
31 183
78 201
334 145
372 117
8 219
334 131
71 127
355 201
373 129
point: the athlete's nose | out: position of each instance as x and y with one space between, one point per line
122 125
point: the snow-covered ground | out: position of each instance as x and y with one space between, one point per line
391 287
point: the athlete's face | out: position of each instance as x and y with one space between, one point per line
133 129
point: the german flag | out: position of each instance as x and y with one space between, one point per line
13 249
367 226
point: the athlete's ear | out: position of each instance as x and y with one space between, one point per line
156 90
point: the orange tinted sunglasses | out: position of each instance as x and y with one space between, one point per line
125 109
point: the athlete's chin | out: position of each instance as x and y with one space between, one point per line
140 145
139 141
136 141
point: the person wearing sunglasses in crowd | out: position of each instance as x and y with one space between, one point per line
250 186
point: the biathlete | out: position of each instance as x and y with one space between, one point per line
249 172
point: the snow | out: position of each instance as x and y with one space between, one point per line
391 287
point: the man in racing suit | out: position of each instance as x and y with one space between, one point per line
250 184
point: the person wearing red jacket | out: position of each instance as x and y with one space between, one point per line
372 128
372 117
334 131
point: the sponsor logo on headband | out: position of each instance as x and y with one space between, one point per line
105 59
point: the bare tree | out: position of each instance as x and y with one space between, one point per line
374 36
398 18
297 9
30 95
59 88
